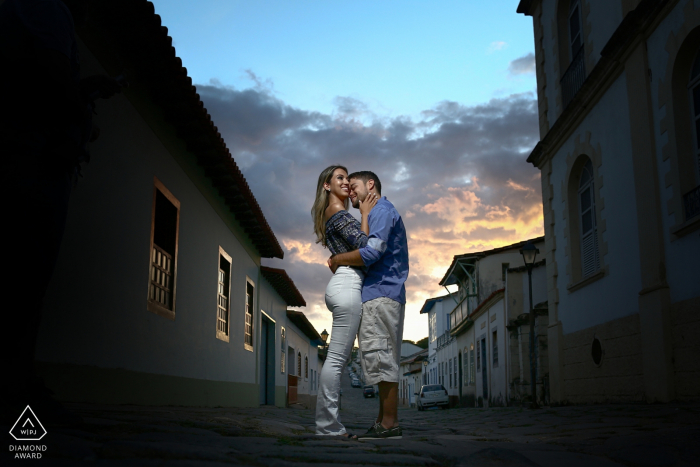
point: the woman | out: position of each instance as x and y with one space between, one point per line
337 230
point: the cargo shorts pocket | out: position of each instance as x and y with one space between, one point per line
372 351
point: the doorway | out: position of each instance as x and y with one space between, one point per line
484 376
267 361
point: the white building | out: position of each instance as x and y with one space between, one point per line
442 360
303 365
411 377
486 328
618 94
158 296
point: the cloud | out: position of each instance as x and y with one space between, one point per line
495 46
524 65
457 174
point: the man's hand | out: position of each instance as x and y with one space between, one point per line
332 264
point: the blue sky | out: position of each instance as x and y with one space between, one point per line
398 57
437 98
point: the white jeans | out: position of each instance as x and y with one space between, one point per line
344 300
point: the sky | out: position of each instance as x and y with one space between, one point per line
437 98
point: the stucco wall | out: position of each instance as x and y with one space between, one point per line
619 376
681 253
95 313
615 295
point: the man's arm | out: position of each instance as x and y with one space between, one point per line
351 258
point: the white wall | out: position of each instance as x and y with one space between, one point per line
106 245
615 295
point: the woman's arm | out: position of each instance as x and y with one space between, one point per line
365 208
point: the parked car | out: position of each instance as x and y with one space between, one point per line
355 383
368 391
432 395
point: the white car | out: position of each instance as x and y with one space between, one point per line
432 395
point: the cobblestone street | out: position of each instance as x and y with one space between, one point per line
630 435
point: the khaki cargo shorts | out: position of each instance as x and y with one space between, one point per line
381 332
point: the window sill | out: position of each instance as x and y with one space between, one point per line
155 307
248 347
221 336
686 227
585 281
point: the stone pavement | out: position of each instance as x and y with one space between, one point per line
604 435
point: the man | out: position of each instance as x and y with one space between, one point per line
383 300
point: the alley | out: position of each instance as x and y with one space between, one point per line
602 435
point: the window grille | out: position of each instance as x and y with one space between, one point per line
299 364
223 310
161 277
249 316
306 367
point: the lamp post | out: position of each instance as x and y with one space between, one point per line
529 253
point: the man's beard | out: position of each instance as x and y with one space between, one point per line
355 203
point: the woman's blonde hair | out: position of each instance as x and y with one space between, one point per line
318 210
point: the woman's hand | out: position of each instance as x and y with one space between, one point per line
367 205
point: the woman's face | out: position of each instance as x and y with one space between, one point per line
338 184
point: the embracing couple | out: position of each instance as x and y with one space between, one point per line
366 295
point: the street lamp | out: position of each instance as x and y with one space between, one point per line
529 253
324 336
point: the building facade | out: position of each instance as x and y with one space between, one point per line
489 326
159 296
618 114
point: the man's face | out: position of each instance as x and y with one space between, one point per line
358 192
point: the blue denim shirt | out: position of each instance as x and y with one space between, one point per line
385 255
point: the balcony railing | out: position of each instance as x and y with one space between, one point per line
692 203
573 78
444 339
461 311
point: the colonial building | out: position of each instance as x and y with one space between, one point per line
159 296
442 350
619 105
488 325
412 377
303 367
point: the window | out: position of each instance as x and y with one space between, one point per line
472 370
450 373
691 199
223 296
495 349
165 221
283 357
306 367
478 356
299 364
504 270
456 370
572 64
590 258
465 366
575 32
249 300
